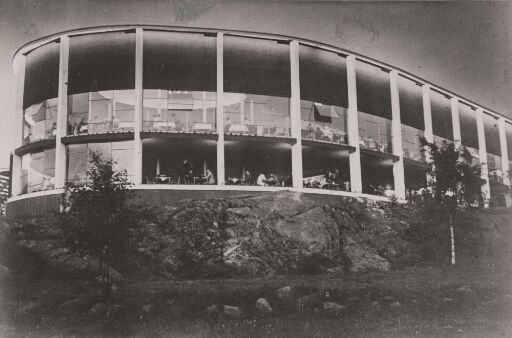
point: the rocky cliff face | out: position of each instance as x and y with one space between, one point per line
271 233
282 232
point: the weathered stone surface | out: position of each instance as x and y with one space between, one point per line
281 232
263 306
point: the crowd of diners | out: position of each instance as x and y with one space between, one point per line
326 133
186 174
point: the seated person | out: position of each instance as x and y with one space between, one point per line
249 179
273 180
327 134
210 178
186 172
262 180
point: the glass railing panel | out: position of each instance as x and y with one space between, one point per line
38 171
101 112
179 111
257 115
325 123
374 133
40 121
411 143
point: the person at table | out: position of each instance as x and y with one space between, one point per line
327 134
82 127
249 179
186 171
227 124
272 180
262 180
210 178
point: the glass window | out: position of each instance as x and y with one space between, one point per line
256 66
38 171
257 87
324 96
411 104
373 91
41 74
79 158
180 61
180 74
374 105
179 111
101 112
468 128
99 62
492 135
441 116
411 117
508 133
40 121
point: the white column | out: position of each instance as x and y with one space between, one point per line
353 127
427 114
295 119
482 151
62 114
396 137
220 110
429 131
457 139
504 151
18 122
205 115
137 125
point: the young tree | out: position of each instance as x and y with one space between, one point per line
97 220
456 184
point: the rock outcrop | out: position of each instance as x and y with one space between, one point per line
281 232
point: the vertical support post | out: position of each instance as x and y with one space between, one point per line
482 151
505 167
295 119
205 115
427 114
457 138
137 141
396 137
62 114
356 184
429 130
220 110
20 86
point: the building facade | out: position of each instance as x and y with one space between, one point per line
222 112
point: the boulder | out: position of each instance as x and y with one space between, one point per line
232 311
212 310
364 258
70 307
97 310
5 273
263 306
333 307
284 292
147 308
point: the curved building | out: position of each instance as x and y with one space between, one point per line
200 112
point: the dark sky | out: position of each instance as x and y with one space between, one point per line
465 47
